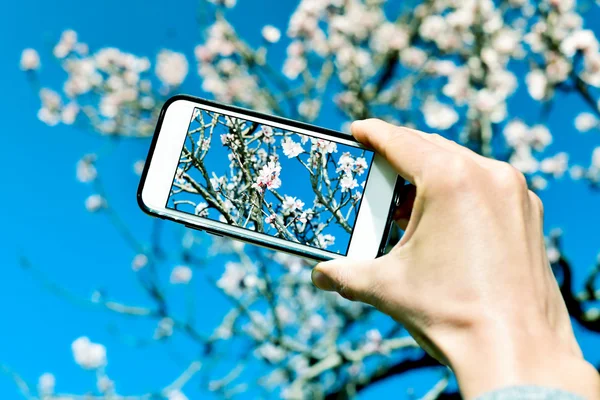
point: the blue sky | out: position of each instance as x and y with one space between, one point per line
45 219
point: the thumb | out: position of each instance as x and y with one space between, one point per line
352 279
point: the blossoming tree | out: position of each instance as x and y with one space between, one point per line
447 66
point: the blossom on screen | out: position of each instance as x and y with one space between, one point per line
345 163
324 146
360 165
326 240
201 209
290 148
268 177
181 274
271 33
291 204
171 67
267 133
88 355
348 183
270 219
139 262
30 60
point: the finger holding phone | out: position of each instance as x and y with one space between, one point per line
470 279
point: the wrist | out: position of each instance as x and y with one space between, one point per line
489 360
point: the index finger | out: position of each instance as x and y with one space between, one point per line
403 148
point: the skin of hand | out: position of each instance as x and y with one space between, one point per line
470 279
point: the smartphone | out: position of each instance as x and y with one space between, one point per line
267 180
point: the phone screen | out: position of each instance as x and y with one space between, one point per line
270 180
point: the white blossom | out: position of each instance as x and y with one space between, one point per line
95 202
586 121
88 355
176 394
181 274
201 209
348 183
290 148
326 240
30 60
46 383
438 115
556 165
536 84
271 33
171 67
270 352
232 279
139 262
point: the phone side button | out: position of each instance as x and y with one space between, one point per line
193 227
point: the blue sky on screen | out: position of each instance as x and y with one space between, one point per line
270 180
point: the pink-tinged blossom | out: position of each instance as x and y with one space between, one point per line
139 262
345 163
268 135
30 60
291 204
270 219
268 177
360 165
324 146
88 355
348 183
171 67
181 274
290 148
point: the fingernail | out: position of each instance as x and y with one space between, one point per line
322 281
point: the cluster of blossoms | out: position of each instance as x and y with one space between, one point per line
112 90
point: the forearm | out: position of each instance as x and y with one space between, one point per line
529 357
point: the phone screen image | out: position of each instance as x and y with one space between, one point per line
270 180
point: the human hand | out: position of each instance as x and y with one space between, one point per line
469 279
